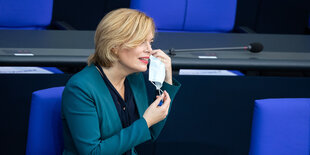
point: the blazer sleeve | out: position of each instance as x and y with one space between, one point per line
172 91
82 120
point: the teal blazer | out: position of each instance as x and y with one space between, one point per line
91 122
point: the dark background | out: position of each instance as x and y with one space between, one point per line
262 16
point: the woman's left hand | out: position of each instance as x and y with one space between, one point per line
163 57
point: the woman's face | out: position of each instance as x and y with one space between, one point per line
136 59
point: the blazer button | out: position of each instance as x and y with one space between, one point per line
124 108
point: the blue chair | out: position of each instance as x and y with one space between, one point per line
45 125
281 127
25 14
190 15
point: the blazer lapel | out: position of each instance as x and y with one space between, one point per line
109 104
136 82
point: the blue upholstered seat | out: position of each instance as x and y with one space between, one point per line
190 15
281 127
45 126
25 14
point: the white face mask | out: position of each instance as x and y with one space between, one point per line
156 72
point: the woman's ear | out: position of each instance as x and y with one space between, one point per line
114 51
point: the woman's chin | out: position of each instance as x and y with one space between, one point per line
140 69
143 69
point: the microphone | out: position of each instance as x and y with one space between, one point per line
255 47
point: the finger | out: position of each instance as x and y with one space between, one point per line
158 52
163 58
166 100
167 97
162 53
159 55
166 105
158 98
153 52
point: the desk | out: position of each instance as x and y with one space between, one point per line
71 48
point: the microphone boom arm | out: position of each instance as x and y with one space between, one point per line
172 50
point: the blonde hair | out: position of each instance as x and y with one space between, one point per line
121 28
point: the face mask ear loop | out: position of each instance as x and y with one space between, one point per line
154 84
160 92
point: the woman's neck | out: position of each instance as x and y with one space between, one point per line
115 77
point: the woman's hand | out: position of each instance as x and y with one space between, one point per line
155 113
163 57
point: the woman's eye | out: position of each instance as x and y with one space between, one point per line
147 42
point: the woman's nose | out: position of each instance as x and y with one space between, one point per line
149 47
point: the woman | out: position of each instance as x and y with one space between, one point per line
105 107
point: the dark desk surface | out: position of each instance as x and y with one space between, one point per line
71 48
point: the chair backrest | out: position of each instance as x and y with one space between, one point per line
25 14
281 126
190 15
45 125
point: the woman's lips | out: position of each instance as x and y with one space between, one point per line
144 60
